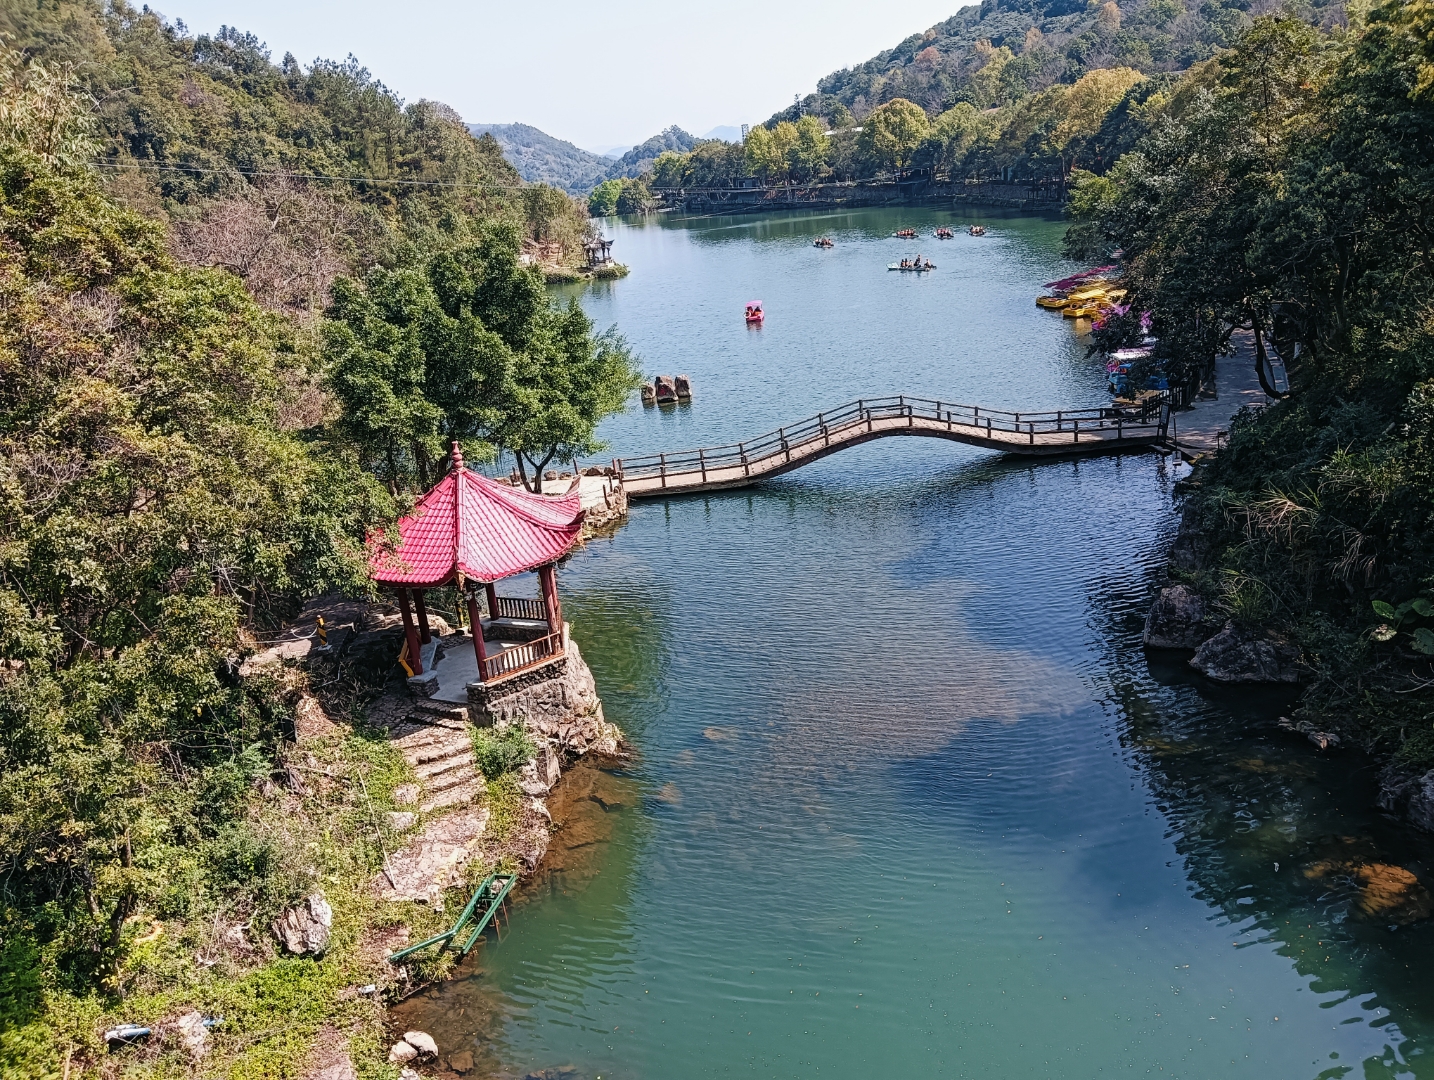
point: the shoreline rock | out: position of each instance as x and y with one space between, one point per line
1178 619
1408 794
1239 654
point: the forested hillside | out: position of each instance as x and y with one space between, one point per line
998 51
1284 189
245 309
539 157
1000 90
284 173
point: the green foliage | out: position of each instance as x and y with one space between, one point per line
504 800
603 200
892 132
1283 189
193 127
468 349
499 752
153 508
633 196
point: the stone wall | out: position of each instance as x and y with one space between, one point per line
557 704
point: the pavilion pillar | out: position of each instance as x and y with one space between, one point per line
415 656
492 590
477 625
548 579
424 635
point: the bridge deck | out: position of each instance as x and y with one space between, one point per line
1078 431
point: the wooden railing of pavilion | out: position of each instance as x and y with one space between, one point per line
521 607
519 658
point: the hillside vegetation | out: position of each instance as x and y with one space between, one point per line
218 385
999 91
1284 188
285 174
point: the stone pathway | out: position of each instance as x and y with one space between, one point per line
1204 428
434 738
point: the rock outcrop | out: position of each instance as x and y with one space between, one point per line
304 928
1179 619
1239 654
558 705
1191 547
1409 794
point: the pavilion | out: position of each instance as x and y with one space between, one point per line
470 532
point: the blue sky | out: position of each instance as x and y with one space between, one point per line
598 74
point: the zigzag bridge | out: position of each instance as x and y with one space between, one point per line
1112 429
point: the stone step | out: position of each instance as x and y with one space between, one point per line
438 713
418 753
441 765
454 778
453 796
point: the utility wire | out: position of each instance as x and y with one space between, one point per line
143 167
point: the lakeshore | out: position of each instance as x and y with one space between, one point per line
990 806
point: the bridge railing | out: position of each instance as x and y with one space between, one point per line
835 424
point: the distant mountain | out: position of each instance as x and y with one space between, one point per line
613 152
640 158
727 133
538 156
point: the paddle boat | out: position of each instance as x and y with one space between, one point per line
754 314
944 233
905 234
823 242
977 230
912 264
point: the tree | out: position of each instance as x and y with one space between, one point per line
808 155
1084 107
764 159
152 512
603 200
670 169
558 391
892 132
467 349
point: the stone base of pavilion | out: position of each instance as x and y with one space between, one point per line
556 700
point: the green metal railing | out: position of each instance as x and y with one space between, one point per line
492 893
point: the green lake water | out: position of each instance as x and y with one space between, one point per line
908 797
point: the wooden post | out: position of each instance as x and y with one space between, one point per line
492 591
424 634
415 658
477 625
548 579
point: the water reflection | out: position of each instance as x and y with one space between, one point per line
909 798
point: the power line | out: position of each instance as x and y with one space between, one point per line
145 167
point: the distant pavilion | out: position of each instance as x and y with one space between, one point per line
598 251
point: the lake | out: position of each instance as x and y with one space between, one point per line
908 797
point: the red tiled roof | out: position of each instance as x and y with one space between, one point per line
484 529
